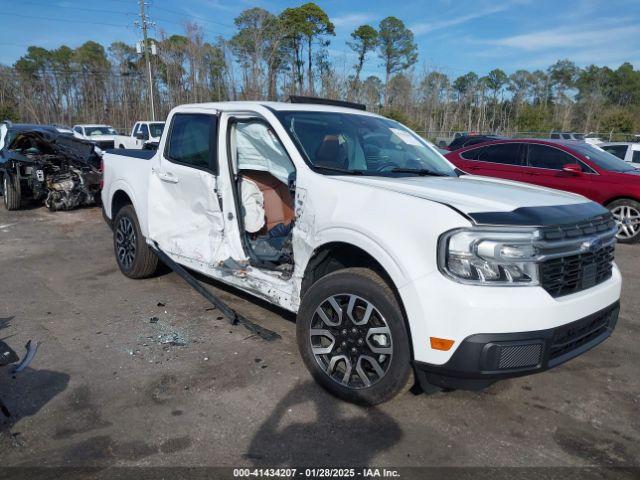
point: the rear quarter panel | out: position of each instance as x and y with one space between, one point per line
130 175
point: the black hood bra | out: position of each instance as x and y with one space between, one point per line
542 216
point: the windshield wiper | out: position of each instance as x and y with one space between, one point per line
418 171
339 170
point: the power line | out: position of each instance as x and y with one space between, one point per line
210 32
61 19
31 2
15 72
193 16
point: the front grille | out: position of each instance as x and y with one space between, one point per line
596 225
574 335
566 275
578 271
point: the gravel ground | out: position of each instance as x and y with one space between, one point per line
132 373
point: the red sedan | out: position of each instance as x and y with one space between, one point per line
565 165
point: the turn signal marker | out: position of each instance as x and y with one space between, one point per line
441 343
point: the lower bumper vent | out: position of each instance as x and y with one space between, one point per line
510 356
520 356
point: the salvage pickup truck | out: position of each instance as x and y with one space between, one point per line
395 261
142 133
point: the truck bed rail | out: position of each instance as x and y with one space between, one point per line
131 152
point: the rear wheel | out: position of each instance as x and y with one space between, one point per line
12 191
352 337
134 257
626 213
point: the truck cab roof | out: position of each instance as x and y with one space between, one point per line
278 106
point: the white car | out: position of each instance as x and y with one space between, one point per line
102 136
142 134
589 138
627 151
395 261
593 139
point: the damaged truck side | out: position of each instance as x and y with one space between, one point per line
40 163
396 263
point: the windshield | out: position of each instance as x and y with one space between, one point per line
102 130
346 143
602 159
156 129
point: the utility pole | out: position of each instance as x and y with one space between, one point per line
144 26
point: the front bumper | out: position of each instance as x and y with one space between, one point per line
483 359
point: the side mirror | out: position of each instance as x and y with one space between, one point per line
572 168
139 136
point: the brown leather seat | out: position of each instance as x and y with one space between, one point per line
278 204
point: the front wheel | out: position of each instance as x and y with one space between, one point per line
352 337
626 213
134 257
12 191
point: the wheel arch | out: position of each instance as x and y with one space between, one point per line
350 249
339 255
620 197
119 199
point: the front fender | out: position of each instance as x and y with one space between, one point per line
370 244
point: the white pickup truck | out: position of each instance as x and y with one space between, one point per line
142 134
100 135
396 262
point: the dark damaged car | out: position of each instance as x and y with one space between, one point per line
43 164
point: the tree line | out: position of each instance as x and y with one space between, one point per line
271 56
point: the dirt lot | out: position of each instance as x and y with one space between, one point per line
145 373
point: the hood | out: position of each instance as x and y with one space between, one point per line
470 193
490 200
45 141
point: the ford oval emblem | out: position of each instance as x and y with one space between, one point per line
592 246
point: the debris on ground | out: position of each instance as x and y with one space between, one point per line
8 357
174 339
31 348
156 343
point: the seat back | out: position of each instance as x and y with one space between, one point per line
278 203
331 153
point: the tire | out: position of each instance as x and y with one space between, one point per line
133 255
339 361
627 215
12 192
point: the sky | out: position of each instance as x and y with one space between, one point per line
453 36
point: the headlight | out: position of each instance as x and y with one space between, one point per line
490 256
